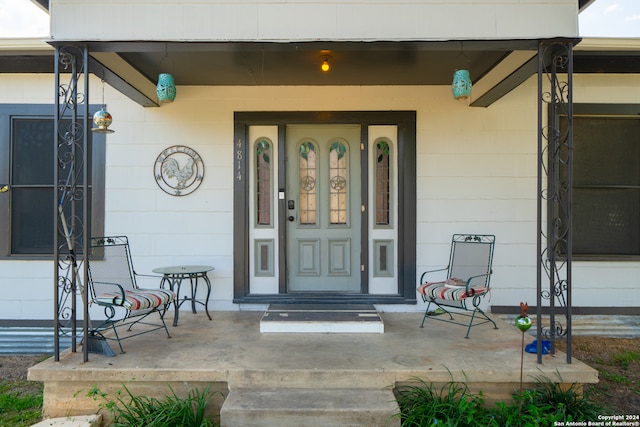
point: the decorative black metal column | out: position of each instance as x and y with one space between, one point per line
71 195
555 100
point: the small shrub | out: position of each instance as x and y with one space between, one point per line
453 405
130 410
569 401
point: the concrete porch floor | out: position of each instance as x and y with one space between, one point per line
229 353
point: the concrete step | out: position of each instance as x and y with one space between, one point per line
308 407
72 421
322 318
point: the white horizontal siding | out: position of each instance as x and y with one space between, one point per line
476 173
302 20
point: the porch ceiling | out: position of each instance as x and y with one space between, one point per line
298 63
496 66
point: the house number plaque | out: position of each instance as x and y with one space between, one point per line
179 170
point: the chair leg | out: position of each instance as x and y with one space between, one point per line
473 315
162 313
425 314
488 318
115 331
479 310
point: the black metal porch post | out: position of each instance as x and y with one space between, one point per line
555 136
71 195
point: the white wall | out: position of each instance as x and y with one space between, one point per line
299 20
476 173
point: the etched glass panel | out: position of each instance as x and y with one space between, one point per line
263 182
338 161
382 177
307 173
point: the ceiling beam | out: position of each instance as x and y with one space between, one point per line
119 74
512 71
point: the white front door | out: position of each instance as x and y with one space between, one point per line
323 208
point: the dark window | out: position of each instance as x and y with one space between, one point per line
606 181
27 173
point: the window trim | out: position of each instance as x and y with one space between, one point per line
9 111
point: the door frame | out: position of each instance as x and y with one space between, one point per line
406 125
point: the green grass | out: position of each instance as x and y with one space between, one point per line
20 403
625 358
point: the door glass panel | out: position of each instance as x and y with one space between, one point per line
338 173
307 173
383 194
263 182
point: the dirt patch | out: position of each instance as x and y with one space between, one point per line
14 368
618 363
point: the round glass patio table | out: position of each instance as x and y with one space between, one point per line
173 277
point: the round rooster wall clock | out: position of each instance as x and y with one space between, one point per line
179 170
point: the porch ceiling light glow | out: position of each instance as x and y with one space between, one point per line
102 118
325 56
325 65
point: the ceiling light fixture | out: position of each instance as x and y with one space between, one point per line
461 85
166 88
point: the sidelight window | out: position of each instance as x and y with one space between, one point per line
382 183
263 181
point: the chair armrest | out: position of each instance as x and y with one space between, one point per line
431 271
470 279
119 289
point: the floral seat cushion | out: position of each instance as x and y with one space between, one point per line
140 299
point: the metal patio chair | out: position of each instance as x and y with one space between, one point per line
465 284
113 286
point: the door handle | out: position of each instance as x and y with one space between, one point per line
4 189
291 218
